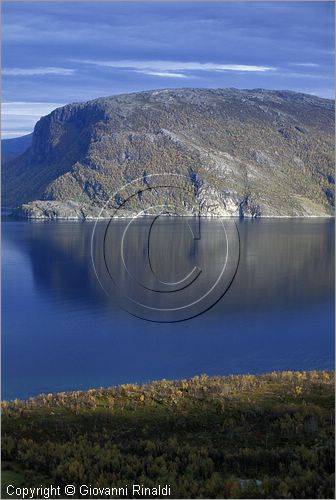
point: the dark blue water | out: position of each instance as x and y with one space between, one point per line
60 331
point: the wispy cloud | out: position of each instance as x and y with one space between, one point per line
228 44
162 74
305 65
301 75
38 71
28 108
158 66
19 118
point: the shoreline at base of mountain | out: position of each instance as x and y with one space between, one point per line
75 211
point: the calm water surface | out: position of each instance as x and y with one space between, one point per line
60 331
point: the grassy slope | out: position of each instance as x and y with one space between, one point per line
202 436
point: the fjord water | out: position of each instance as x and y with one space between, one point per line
61 331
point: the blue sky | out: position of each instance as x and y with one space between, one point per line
59 52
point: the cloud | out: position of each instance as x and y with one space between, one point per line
38 71
157 66
306 65
308 76
28 108
162 74
19 118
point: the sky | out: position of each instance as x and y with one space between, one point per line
54 53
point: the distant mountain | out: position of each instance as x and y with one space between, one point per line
244 152
11 148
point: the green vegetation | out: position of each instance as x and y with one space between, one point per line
267 436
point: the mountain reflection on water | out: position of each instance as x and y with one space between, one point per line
61 331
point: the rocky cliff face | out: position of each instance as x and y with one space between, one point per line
244 153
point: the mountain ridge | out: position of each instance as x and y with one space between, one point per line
13 147
252 152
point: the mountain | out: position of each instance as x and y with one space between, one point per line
11 148
243 152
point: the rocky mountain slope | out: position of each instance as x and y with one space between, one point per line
11 148
243 152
